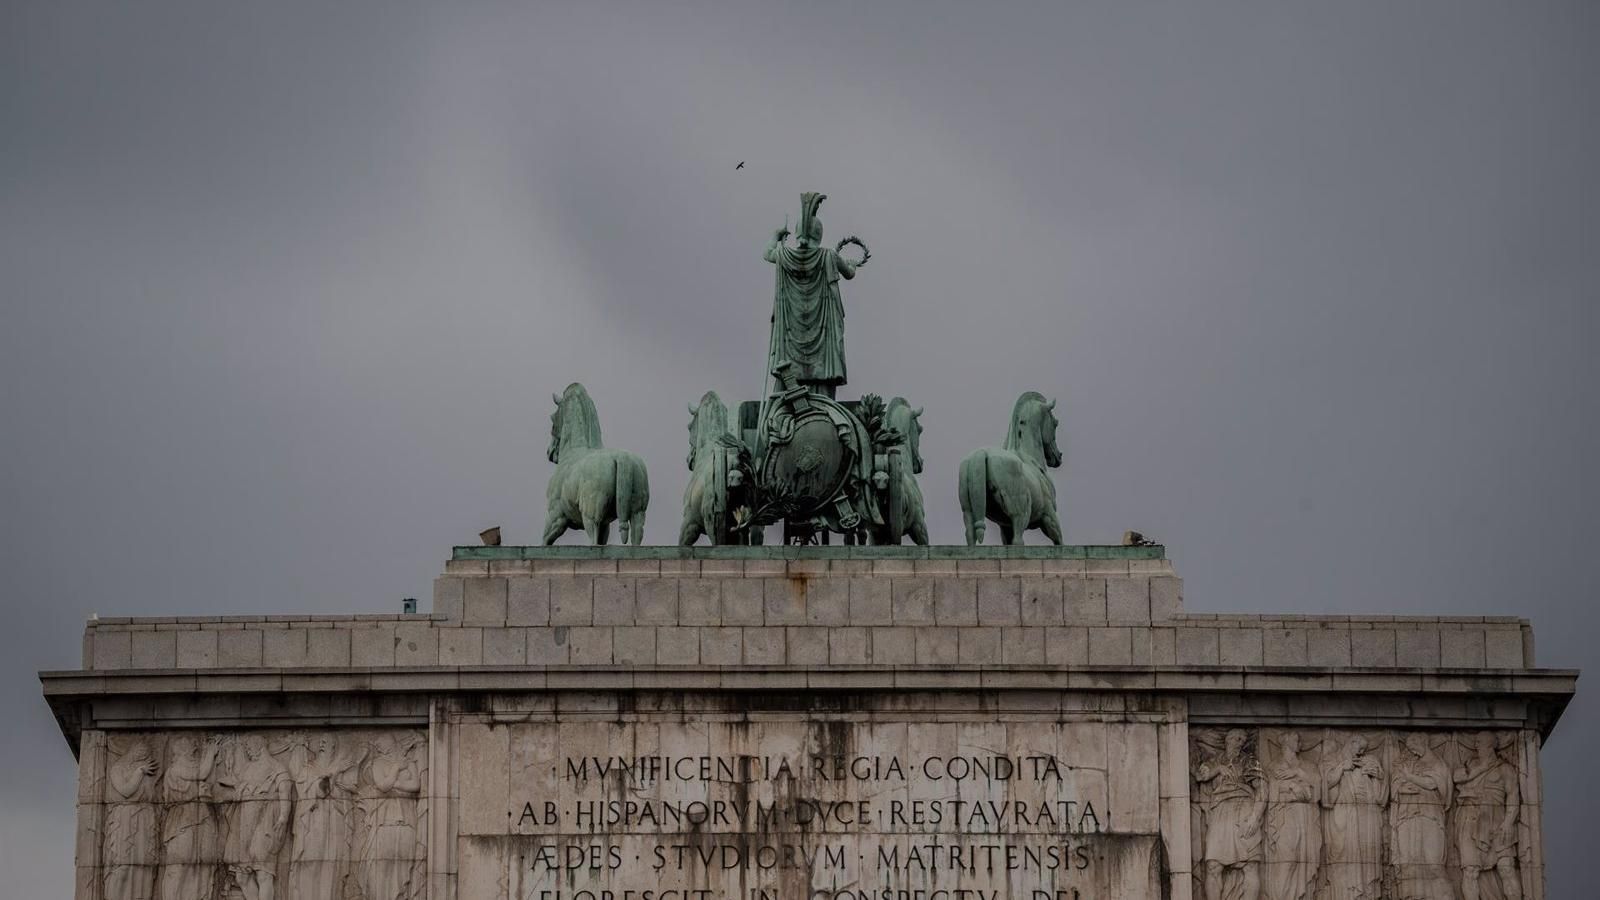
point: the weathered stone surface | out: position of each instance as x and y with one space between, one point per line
546 646
461 646
484 601
209 814
371 645
536 669
527 601
572 600
196 649
1280 812
716 800
678 646
999 601
505 646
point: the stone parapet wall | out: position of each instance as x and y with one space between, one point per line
1183 641
776 606
1116 746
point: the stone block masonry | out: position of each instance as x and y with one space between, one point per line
650 606
841 723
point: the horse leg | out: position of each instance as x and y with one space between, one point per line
599 531
690 532
973 486
554 526
636 533
1050 524
919 531
1006 533
1019 525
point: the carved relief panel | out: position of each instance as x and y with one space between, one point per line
263 815
1345 814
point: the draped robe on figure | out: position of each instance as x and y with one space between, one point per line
190 831
132 830
1420 845
1293 833
389 868
807 314
1353 828
1482 802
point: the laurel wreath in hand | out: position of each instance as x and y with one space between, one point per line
865 253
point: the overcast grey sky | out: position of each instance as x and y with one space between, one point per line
286 290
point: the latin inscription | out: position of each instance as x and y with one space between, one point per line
989 818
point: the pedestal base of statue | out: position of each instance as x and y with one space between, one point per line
839 723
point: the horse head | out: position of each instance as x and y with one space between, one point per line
708 420
900 415
1033 430
575 424
1049 423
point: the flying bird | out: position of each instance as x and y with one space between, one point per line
739 166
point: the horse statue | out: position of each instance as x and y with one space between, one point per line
592 485
903 510
1008 485
705 499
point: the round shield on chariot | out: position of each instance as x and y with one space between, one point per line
815 453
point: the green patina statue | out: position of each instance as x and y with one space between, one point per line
592 485
715 478
903 513
798 456
1008 485
807 315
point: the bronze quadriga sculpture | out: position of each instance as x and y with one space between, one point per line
1009 485
593 485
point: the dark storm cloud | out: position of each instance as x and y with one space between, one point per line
287 289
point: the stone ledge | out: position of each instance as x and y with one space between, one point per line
365 696
1186 679
786 552
864 622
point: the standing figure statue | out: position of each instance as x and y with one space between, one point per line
1008 485
1352 833
1488 802
1422 793
132 844
1293 833
324 801
263 798
807 315
190 832
593 485
1233 800
391 856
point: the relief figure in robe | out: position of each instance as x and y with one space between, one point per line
190 832
1352 826
1488 802
1422 793
391 856
132 843
325 786
807 313
1292 839
262 793
1234 802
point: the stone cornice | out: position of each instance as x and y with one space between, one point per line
81 684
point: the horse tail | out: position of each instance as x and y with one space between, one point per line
633 495
974 486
